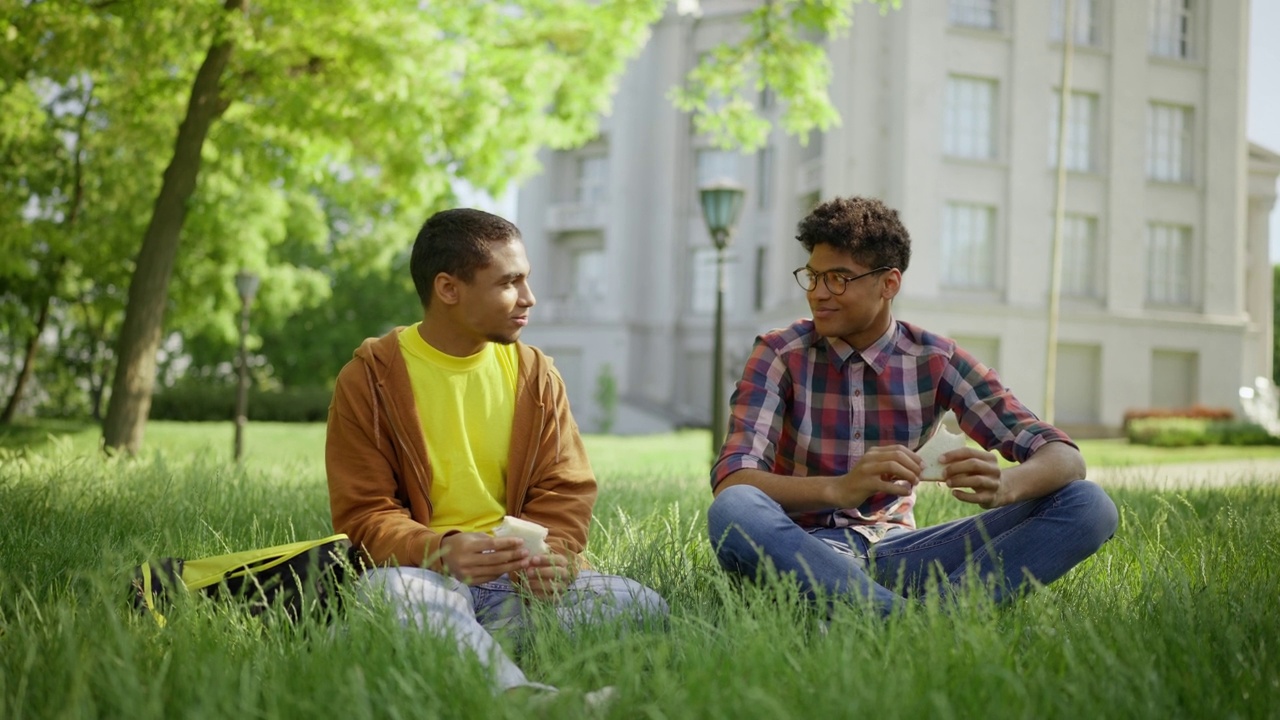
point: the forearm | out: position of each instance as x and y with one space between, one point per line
1051 468
794 494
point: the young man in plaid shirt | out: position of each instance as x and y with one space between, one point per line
817 476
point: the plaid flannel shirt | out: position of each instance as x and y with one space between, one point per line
808 405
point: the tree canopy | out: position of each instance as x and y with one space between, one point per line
152 150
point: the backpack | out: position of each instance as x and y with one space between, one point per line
299 576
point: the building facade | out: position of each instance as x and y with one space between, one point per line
949 113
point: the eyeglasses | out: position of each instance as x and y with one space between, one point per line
835 280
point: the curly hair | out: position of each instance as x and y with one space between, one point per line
455 242
866 228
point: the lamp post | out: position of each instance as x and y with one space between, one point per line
247 287
721 204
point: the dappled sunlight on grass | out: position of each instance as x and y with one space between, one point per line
1174 617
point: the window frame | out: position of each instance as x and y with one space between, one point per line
1165 39
1168 285
963 128
980 269
962 13
1170 157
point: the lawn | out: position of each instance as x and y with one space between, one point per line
1175 617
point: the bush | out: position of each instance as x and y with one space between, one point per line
1195 412
1168 431
1187 432
1242 434
203 403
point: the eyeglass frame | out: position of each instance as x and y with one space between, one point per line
826 274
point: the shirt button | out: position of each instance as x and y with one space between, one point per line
857 436
857 393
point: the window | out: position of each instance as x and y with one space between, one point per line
1077 387
1170 32
1085 24
968 246
1168 264
969 118
1168 143
587 273
1080 256
762 267
593 178
973 13
985 349
1175 377
716 165
702 298
764 176
1082 113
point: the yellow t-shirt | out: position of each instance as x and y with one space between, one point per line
465 406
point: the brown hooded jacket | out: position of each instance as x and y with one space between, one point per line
380 480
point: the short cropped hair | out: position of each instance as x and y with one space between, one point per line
456 242
866 228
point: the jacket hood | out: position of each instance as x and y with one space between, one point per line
381 355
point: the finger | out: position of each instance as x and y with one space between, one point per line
973 466
895 470
547 585
556 559
490 561
899 486
546 560
972 497
504 543
899 454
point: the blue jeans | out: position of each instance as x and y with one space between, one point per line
446 606
1004 547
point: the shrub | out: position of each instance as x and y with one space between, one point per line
1195 412
1168 431
1186 432
1242 434
205 403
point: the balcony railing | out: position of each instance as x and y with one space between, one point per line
569 216
569 310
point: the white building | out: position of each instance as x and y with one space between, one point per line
949 113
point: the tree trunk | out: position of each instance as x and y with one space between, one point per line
28 364
135 374
55 273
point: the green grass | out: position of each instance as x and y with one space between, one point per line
1175 617
683 453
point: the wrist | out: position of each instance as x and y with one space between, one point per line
837 495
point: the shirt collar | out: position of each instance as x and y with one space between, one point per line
876 355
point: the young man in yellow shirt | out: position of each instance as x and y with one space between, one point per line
439 430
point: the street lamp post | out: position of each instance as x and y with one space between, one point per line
721 203
247 287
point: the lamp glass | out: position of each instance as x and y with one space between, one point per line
721 204
246 285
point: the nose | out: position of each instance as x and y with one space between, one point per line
526 296
820 290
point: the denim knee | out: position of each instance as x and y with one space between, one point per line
1091 509
735 505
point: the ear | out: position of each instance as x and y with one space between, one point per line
890 284
446 288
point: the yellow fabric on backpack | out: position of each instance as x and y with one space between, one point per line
465 406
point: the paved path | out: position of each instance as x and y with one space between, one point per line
1189 475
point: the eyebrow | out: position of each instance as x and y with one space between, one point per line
840 269
511 277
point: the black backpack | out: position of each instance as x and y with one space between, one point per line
301 577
